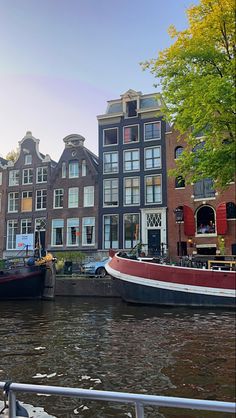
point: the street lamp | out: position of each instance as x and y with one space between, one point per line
179 217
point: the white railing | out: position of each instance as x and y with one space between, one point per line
139 401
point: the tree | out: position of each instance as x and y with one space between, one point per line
12 155
197 75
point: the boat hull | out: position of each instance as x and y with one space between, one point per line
141 282
22 283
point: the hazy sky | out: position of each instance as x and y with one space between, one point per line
61 60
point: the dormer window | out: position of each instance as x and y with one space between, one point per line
131 108
28 159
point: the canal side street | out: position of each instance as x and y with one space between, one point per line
85 286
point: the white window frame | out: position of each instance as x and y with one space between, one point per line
152 123
130 142
27 227
73 169
28 159
41 198
63 170
125 188
113 244
13 235
145 187
111 162
14 178
117 137
84 232
73 197
132 160
111 189
43 173
72 223
61 221
56 197
84 168
30 176
13 200
88 196
152 159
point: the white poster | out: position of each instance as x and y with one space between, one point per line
25 241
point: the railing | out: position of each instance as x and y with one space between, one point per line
222 265
139 401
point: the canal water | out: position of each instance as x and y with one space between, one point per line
106 344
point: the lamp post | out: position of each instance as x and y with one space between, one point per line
179 217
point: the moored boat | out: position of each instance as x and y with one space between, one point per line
23 278
142 280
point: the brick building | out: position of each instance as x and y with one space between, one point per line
206 221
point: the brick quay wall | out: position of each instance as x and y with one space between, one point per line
85 286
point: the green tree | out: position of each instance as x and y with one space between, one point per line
197 75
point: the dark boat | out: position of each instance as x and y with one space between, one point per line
23 278
145 281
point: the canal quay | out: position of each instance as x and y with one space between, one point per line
102 343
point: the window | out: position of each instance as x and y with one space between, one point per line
73 169
152 158
231 210
205 220
203 189
131 160
13 202
41 199
110 231
152 131
63 170
88 231
110 136
153 189
178 152
84 168
131 191
0 178
57 231
11 234
14 178
110 162
88 196
72 232
26 226
110 190
28 159
73 197
131 108
58 198
131 230
131 134
179 182
27 176
42 174
0 202
26 202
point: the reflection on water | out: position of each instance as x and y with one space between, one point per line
105 344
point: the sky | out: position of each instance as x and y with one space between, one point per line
62 60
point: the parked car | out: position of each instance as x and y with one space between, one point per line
95 268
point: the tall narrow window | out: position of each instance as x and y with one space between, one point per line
57 231
131 230
178 152
73 232
11 234
131 191
41 199
28 176
84 168
28 159
26 226
13 202
131 108
14 178
73 169
63 170
153 189
42 174
88 196
110 231
88 231
110 190
58 198
73 197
